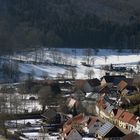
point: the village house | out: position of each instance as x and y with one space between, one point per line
94 83
137 129
115 114
71 105
76 122
105 105
121 86
51 116
81 125
111 80
121 118
93 124
109 90
100 107
124 119
125 87
109 132
132 124
104 89
88 85
71 102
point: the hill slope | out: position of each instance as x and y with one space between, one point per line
114 10
61 23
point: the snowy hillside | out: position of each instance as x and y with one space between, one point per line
55 62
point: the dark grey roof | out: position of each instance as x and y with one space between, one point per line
49 113
105 129
94 82
115 79
106 98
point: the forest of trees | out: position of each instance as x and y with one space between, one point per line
30 24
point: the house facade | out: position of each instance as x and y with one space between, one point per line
137 128
119 117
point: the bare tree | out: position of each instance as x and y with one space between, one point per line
45 96
45 75
105 59
66 74
3 110
72 72
49 95
16 104
55 55
60 76
90 73
92 60
10 92
10 70
41 55
88 53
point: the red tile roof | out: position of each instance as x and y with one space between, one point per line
133 121
78 119
68 126
126 116
119 112
122 85
91 121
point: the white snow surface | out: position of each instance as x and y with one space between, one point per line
88 138
40 136
103 57
24 121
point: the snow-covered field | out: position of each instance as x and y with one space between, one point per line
74 57
23 103
41 136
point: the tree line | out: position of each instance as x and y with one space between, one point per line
31 23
